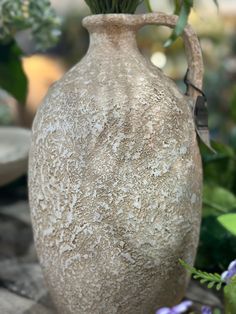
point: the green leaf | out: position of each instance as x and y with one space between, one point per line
219 169
202 276
216 3
148 5
183 11
177 4
230 297
210 285
113 6
218 199
229 222
12 76
222 151
233 104
216 246
219 286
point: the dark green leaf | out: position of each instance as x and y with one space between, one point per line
177 4
113 6
233 104
148 5
219 169
217 199
222 151
216 3
183 11
12 76
216 247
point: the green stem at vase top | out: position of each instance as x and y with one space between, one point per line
113 6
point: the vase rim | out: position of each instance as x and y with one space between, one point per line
118 19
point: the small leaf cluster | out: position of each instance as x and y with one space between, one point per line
38 16
212 280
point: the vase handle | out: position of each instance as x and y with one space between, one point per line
192 47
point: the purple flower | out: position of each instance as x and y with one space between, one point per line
178 309
231 272
206 310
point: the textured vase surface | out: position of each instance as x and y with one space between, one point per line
115 177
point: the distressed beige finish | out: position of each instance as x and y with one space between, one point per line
115 176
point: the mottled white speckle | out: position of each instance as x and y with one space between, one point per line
97 217
193 198
183 150
128 257
65 248
70 217
48 231
137 202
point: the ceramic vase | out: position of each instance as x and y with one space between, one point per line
115 175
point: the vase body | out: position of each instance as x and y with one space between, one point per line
115 181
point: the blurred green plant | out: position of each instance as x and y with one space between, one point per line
12 76
218 233
225 281
16 16
113 6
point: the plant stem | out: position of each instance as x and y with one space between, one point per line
113 6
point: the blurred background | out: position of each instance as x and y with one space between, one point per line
216 29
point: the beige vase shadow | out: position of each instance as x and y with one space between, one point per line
115 176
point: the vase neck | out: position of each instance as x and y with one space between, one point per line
111 32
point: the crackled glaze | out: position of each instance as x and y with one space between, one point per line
115 177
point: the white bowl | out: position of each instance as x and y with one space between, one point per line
14 150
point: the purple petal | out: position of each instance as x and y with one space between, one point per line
182 307
231 272
232 265
224 275
206 310
164 310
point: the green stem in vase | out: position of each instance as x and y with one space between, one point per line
113 6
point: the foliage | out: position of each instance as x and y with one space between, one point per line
113 6
11 71
229 222
38 16
217 200
16 16
227 281
204 277
218 232
183 9
229 296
